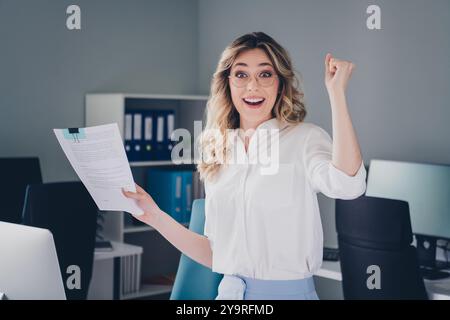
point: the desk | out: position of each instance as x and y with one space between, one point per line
437 289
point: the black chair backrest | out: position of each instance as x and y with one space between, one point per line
377 232
16 174
69 212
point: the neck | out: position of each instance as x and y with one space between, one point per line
247 125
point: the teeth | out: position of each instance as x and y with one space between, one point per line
253 100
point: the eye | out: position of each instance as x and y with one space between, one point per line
265 74
240 74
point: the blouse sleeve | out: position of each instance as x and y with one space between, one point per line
323 175
209 220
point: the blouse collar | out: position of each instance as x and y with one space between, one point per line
272 123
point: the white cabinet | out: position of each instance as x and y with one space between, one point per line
159 257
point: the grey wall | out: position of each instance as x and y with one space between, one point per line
398 96
399 93
45 70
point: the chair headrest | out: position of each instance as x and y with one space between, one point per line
374 221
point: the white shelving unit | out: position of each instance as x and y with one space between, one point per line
159 257
151 163
129 229
106 282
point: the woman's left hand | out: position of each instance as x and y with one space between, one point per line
337 74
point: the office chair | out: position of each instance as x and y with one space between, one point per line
16 174
377 232
68 211
193 280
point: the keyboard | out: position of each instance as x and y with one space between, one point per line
330 254
433 274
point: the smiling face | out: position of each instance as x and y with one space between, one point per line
254 100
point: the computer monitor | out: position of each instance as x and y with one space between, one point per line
426 188
29 268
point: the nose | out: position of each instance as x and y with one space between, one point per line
252 83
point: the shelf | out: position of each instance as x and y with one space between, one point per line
133 229
152 96
151 163
148 290
119 250
157 163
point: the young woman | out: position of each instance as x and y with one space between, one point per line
263 230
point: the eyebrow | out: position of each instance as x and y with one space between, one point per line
259 65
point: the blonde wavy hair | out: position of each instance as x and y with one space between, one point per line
221 115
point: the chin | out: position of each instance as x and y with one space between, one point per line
255 115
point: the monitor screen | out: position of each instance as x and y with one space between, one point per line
426 187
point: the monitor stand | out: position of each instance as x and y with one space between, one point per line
426 252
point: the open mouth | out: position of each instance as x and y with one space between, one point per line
253 102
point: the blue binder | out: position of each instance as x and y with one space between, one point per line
137 139
186 204
159 135
128 134
149 135
164 126
170 127
165 187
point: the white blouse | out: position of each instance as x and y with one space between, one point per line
267 226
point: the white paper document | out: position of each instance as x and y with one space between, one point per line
98 157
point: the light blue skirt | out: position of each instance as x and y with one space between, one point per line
234 287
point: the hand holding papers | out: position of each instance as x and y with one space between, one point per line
98 157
